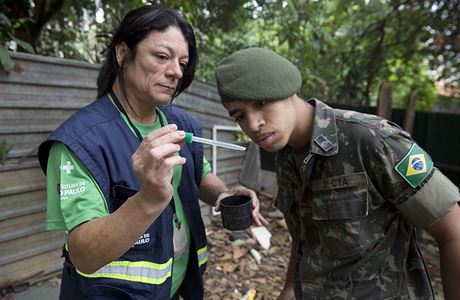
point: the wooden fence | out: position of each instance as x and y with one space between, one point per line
36 97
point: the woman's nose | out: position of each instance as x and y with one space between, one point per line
174 69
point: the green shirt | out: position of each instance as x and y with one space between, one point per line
74 196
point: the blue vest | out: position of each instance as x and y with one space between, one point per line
104 143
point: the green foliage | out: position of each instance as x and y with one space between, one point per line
74 33
242 137
344 49
5 148
5 34
7 37
448 101
411 76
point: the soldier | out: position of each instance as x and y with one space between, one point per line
353 188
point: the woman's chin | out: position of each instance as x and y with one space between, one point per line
162 99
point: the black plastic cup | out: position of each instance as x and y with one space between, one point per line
236 212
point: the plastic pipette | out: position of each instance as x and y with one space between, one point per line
189 137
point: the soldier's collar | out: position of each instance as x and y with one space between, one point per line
324 138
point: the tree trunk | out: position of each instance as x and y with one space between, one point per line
42 13
409 116
385 100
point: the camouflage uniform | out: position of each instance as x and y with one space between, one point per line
352 216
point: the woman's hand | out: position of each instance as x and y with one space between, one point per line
241 190
153 163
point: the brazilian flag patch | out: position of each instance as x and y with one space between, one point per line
415 166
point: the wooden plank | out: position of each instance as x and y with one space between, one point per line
208 120
32 72
195 103
23 144
20 163
34 114
54 67
50 79
34 96
20 181
15 228
204 90
21 156
15 91
53 60
25 139
22 204
17 126
26 128
30 269
32 245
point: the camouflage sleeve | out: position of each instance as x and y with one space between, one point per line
404 174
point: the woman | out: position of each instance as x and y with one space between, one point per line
120 179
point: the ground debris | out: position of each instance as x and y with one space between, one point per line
232 271
430 253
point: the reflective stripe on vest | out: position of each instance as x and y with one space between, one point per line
202 256
141 271
138 271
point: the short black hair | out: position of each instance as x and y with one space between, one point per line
133 29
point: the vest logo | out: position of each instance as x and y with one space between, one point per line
415 166
71 189
68 167
144 239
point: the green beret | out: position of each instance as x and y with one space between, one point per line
256 74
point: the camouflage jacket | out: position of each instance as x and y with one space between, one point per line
352 214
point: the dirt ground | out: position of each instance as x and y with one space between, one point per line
233 271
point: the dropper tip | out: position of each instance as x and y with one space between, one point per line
188 137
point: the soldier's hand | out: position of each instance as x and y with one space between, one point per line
255 204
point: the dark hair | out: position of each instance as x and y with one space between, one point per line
133 29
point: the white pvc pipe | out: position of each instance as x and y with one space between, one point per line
215 128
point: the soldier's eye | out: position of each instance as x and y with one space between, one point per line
261 103
238 118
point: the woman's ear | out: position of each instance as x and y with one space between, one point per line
121 51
